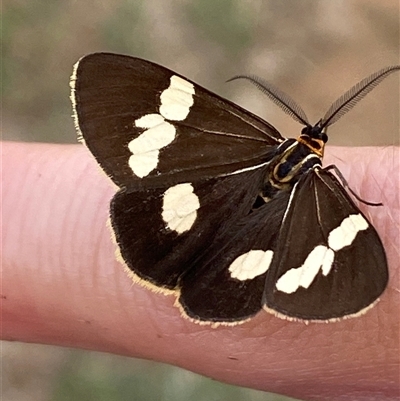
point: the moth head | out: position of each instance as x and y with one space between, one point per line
314 137
317 132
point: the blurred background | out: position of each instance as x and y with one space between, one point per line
312 49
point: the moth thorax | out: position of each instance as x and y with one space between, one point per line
292 163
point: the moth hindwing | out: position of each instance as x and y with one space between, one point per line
216 206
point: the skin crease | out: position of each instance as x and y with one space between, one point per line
63 286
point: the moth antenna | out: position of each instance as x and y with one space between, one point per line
280 98
349 99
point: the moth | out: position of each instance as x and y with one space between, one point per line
216 207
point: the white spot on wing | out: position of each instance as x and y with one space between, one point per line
154 138
177 99
143 163
180 206
345 234
149 121
328 262
251 264
175 105
304 275
322 257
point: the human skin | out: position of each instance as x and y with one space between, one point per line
61 285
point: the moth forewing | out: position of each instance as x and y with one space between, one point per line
330 262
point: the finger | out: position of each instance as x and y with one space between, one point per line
62 285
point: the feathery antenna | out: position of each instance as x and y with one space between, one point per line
280 98
349 99
337 110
